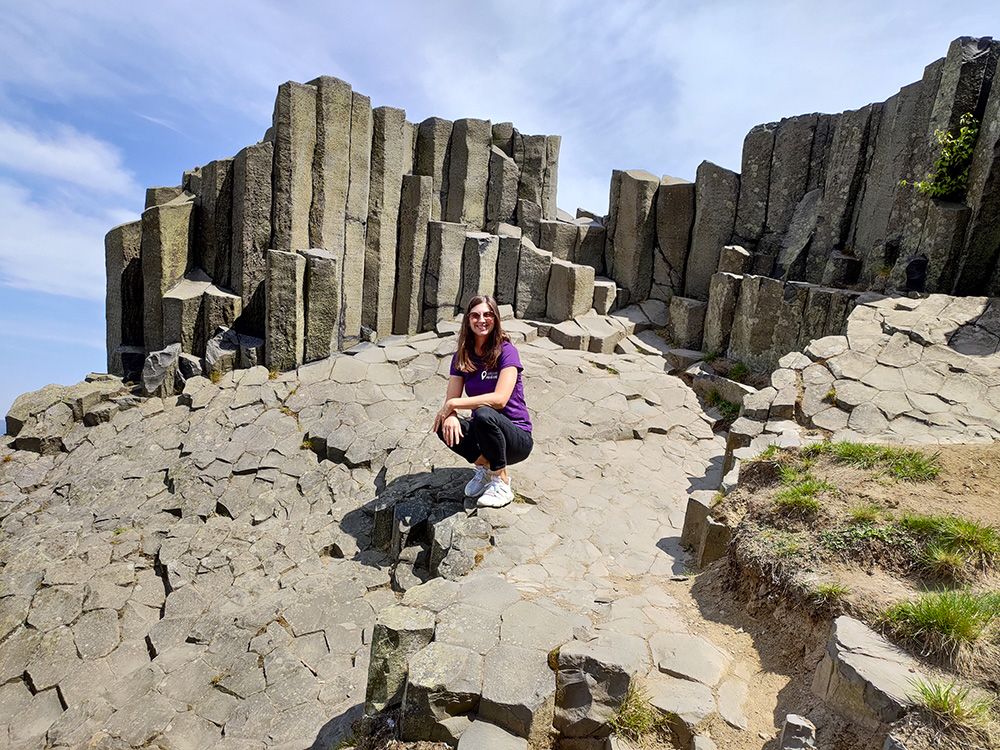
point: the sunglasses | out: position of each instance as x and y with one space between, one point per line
481 316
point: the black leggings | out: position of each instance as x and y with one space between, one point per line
490 434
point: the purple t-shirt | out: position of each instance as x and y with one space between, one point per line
485 381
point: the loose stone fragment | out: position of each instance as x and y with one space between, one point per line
797 733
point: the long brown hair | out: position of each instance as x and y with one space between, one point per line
467 357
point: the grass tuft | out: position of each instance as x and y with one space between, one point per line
977 543
215 376
944 622
728 409
902 463
943 564
830 593
952 705
831 395
769 453
307 445
272 374
866 513
739 372
801 492
8 458
636 719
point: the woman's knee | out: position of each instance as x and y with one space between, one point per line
485 414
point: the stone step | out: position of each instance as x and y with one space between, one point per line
481 735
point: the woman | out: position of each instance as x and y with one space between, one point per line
488 368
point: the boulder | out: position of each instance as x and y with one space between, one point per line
571 290
592 680
481 735
518 691
687 322
399 634
797 733
159 373
442 681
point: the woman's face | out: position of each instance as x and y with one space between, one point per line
481 320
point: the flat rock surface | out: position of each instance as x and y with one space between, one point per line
201 564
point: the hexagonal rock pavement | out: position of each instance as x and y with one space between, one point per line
196 572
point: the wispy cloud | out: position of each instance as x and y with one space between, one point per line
51 246
65 154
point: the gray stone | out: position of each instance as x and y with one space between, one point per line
560 239
443 281
182 312
389 147
220 309
96 633
529 218
508 256
531 155
322 303
790 163
159 373
123 299
723 293
331 174
592 681
674 219
755 179
417 198
571 290
797 733
468 172
757 311
442 681
355 227
863 676
399 634
716 196
605 292
533 270
294 126
433 137
518 691
550 176
684 703
157 196
690 657
479 265
482 735
734 259
166 239
733 695
252 201
284 329
792 253
687 322
590 241
213 214
501 197
631 233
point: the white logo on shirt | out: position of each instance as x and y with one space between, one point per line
484 375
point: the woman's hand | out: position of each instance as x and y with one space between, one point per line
443 413
452 430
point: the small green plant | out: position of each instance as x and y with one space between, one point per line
739 372
8 458
950 704
273 374
729 410
942 563
830 593
612 371
636 718
769 453
786 545
119 531
831 395
215 376
802 496
307 445
711 357
977 543
944 622
855 538
866 513
950 177
902 463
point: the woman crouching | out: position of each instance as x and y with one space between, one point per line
487 367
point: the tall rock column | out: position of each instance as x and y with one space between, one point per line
123 299
415 206
331 175
755 182
356 222
674 219
716 194
321 293
468 172
294 146
757 309
165 247
433 138
479 265
443 280
550 176
285 320
390 141
213 222
631 233
501 197
252 200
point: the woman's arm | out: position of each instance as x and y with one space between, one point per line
497 399
455 385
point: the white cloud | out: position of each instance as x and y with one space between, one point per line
66 155
53 247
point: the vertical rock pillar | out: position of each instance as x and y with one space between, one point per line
415 208
251 230
356 222
674 219
165 247
468 172
294 146
631 233
284 324
123 299
716 195
389 143
331 173
443 280
322 303
433 138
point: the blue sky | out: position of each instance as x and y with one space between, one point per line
99 100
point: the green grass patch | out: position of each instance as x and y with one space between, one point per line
739 372
952 705
868 513
831 395
944 622
902 463
636 719
770 453
729 410
978 543
802 497
830 593
856 538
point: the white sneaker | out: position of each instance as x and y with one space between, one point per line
498 494
479 482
